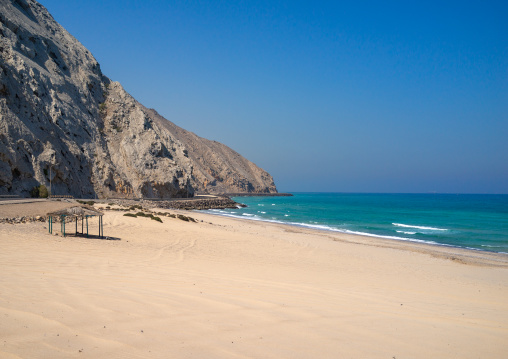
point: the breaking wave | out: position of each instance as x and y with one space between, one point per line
419 227
406 232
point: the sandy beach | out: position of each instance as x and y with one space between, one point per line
230 288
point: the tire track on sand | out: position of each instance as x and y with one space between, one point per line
176 249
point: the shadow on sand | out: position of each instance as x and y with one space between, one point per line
93 236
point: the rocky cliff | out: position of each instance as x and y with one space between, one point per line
64 123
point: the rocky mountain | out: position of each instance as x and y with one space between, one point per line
64 124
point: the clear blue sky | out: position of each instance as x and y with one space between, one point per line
360 96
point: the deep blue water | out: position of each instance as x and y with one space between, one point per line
461 220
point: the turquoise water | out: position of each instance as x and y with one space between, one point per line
462 220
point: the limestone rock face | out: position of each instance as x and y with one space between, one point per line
50 87
139 155
64 123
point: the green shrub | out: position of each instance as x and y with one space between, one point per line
156 219
141 214
43 191
183 218
130 215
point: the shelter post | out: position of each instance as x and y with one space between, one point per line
63 224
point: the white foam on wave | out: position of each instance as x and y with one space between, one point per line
419 227
315 226
389 237
347 231
406 232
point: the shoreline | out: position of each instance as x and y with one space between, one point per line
351 233
455 253
469 255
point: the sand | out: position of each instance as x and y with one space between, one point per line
229 288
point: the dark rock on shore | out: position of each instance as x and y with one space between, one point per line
183 204
23 219
200 204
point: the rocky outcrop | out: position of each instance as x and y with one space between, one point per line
64 124
139 155
183 204
50 87
22 219
201 204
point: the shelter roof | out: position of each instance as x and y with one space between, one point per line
77 211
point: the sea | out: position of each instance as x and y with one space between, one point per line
472 221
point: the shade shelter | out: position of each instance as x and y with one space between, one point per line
75 214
